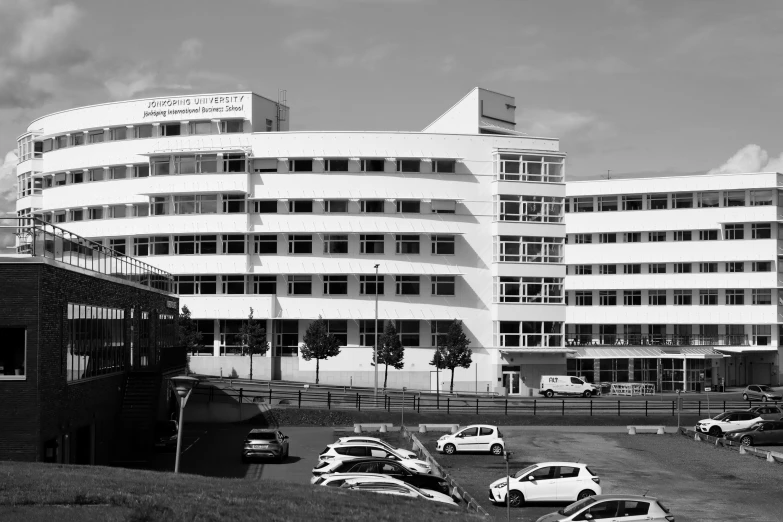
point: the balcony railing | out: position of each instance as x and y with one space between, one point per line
655 340
40 239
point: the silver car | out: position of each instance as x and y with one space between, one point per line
761 392
613 507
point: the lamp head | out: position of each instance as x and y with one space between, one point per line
183 384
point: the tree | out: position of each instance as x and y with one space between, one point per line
188 335
252 337
391 352
319 344
453 351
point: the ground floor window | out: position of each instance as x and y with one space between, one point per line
13 352
96 341
613 370
645 371
582 368
286 337
206 327
229 337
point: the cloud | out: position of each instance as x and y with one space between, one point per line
329 4
8 184
448 64
552 123
305 38
750 158
369 59
519 73
189 51
42 35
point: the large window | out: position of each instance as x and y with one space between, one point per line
708 199
300 244
336 206
408 165
335 285
367 329
762 334
233 244
632 202
442 245
300 165
339 329
683 297
233 284
369 285
515 167
529 333
761 231
264 284
300 285
734 198
265 206
529 249
657 201
735 231
584 204
762 296
682 200
607 204
408 206
529 290
151 246
632 297
287 337
265 244
735 296
336 165
234 163
160 205
335 243
202 244
95 341
372 165
371 243
234 203
192 284
13 353
583 298
407 285
614 370
408 332
171 129
371 206
762 197
708 297
407 244
443 285
231 126
193 204
607 297
542 209
656 297
201 127
161 166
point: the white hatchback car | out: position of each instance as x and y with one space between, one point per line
547 482
357 450
606 508
372 440
477 437
728 421
393 486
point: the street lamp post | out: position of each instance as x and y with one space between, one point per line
183 385
375 347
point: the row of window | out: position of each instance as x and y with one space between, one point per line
528 333
305 284
540 290
529 167
730 334
675 268
541 209
731 231
413 165
662 201
527 249
706 297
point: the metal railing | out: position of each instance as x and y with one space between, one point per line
37 238
655 340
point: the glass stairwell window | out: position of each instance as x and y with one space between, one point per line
528 249
516 167
542 209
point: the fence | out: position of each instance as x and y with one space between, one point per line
478 406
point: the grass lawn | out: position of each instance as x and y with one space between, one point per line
50 492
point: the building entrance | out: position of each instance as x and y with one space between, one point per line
511 381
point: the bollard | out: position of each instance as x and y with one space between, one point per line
660 431
300 399
632 430
447 405
383 428
359 397
699 407
506 406
240 396
591 407
742 450
329 400
696 436
562 408
422 428
534 407
270 396
770 458
455 429
357 428
419 410
618 408
477 404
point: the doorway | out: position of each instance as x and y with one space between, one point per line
511 382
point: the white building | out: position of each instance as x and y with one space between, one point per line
675 281
463 219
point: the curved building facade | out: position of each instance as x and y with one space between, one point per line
463 220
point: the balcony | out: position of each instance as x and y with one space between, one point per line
655 340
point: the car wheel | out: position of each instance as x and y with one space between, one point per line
764 399
496 449
584 494
549 394
516 499
449 449
746 441
714 431
744 396
587 394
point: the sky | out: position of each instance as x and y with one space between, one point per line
633 87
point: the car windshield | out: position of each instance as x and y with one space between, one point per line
722 416
268 435
765 388
525 471
576 506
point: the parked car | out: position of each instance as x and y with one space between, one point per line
756 392
408 453
727 421
265 444
338 451
477 437
768 412
383 467
547 482
392 486
613 507
566 385
760 434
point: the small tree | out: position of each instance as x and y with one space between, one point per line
453 351
188 335
391 352
319 344
252 337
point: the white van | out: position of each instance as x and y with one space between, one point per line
566 385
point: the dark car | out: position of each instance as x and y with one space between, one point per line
265 444
768 412
760 434
761 392
393 469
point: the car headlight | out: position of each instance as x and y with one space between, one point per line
499 486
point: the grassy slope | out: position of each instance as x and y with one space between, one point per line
30 491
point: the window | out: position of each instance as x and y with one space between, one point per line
118 172
300 285
141 209
151 246
77 139
656 297
367 331
444 206
77 215
708 297
442 245
95 343
59 217
708 268
735 296
233 284
77 176
300 165
233 163
339 329
655 237
233 203
95 137
265 206
170 129
118 133
735 266
760 198
61 142
408 332
634 268
264 284
335 244
607 269
583 239
369 285
761 231
233 244
300 206
762 296
734 198
633 202
528 249
188 285
59 179
632 237
736 231
118 245
371 243
657 201
335 285
411 206
444 165
762 266
161 166
193 204
142 131
683 297
188 245
682 200
234 126
300 244
708 235
407 244
141 171
762 334
607 298
185 164
371 206
683 268
407 285
583 298
443 285
683 235
336 206
96 213
159 206
583 204
632 297
708 199
607 203
201 127
583 269
409 165
336 165
372 165
607 238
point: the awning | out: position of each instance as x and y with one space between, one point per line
358 314
523 350
335 193
349 224
747 349
646 352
